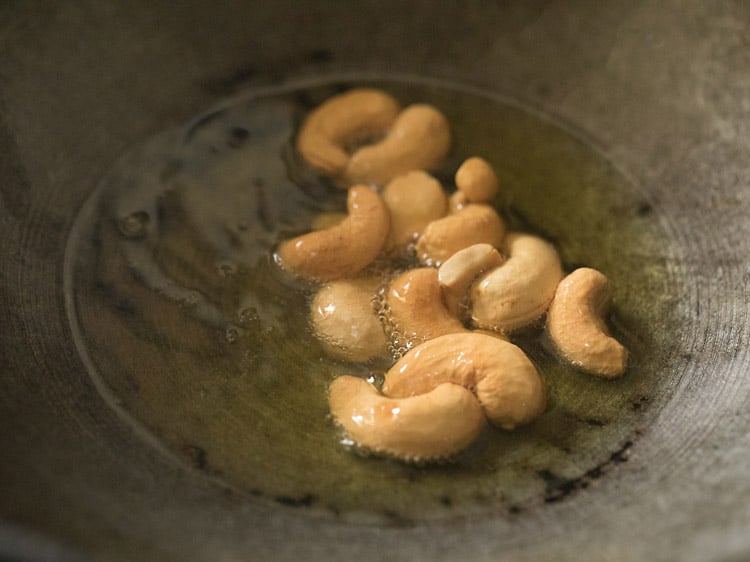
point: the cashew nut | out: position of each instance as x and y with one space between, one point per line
341 121
431 426
414 200
517 292
460 270
577 329
344 319
418 140
503 378
416 308
474 224
342 250
477 180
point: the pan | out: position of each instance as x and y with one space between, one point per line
137 425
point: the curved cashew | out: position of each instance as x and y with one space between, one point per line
477 180
416 309
428 427
460 270
340 121
474 224
504 380
344 320
519 291
414 200
577 329
342 250
418 140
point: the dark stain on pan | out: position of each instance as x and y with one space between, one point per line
305 500
558 488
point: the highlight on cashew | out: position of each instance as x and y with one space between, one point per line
418 140
342 250
344 120
415 307
431 426
474 224
460 270
414 200
476 180
504 379
345 321
577 328
517 292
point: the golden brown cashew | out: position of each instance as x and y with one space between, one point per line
577 329
474 224
428 427
457 201
345 321
519 291
343 120
416 309
327 219
477 180
460 270
342 250
418 140
504 380
414 200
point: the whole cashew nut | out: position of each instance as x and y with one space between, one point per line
474 224
503 378
577 329
476 179
431 426
342 250
418 140
414 200
341 121
519 291
345 321
416 309
460 270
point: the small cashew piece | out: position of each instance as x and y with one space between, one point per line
345 321
474 224
476 179
577 329
414 200
503 378
340 121
460 270
342 250
418 140
416 309
428 427
517 292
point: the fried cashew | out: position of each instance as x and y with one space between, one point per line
415 307
474 224
414 200
343 120
504 379
429 427
476 179
576 326
418 140
342 250
519 291
459 271
344 319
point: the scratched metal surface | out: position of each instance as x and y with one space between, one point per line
660 88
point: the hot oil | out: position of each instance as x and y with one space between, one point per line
196 337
